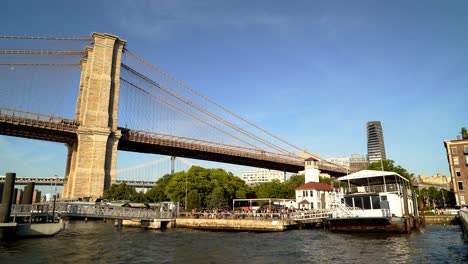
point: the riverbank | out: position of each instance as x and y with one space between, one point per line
234 224
464 223
442 220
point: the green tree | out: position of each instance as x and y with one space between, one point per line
389 165
122 192
157 193
464 132
208 183
273 189
193 200
217 198
292 183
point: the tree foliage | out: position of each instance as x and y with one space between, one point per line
194 200
389 165
157 193
434 197
277 189
123 192
464 132
214 187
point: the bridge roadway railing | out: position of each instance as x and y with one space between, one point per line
108 212
59 181
202 145
26 118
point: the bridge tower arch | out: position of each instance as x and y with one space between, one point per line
91 161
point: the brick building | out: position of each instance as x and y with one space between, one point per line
457 155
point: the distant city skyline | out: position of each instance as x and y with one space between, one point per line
311 72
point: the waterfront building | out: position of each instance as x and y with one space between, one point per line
312 194
438 181
262 175
354 163
342 161
375 142
357 162
457 156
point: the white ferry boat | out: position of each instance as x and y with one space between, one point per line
377 201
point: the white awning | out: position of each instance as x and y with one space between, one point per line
374 176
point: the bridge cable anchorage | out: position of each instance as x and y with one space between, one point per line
42 52
45 38
209 100
189 114
206 112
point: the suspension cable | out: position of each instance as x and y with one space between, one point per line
45 38
233 126
187 113
209 100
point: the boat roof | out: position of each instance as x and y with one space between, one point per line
372 177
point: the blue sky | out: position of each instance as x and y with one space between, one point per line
312 72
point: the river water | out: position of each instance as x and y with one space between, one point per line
99 242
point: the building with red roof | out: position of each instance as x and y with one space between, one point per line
313 195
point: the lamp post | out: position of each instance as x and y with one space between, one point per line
56 179
186 191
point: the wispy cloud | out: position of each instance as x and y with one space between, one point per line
164 18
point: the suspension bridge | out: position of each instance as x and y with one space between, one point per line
97 96
143 175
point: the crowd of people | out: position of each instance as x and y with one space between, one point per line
252 213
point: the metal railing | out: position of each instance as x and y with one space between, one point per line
29 209
311 214
104 211
229 215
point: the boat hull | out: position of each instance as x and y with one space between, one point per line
39 229
373 224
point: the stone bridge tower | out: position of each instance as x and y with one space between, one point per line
92 158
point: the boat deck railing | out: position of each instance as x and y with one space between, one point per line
311 214
392 187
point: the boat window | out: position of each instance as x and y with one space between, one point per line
367 202
376 202
349 201
383 197
358 202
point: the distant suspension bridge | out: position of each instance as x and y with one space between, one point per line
139 176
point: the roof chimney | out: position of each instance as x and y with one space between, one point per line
458 137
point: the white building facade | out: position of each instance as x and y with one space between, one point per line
262 175
313 195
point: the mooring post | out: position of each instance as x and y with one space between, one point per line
28 193
7 197
53 209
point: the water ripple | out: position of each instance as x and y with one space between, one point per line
99 242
